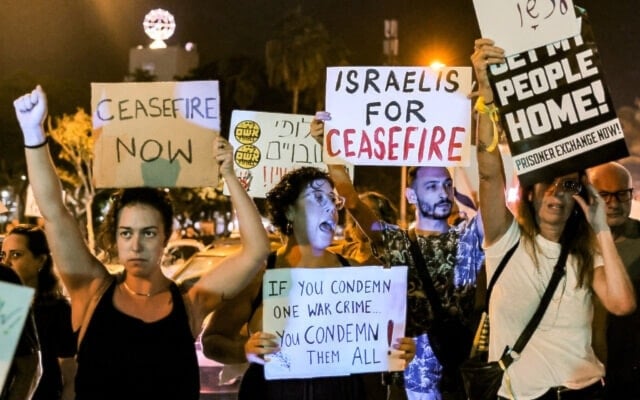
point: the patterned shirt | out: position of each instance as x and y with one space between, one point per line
453 261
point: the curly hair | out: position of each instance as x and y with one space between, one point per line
48 282
286 192
577 235
155 198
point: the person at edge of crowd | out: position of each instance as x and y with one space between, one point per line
558 361
453 256
304 207
621 345
26 367
355 245
137 330
25 250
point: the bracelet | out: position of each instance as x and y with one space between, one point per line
492 111
37 146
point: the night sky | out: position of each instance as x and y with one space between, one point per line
69 43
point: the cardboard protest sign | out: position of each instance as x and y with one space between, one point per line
268 145
521 25
15 301
334 321
398 116
556 109
155 134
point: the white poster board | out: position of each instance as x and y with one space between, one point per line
15 301
334 321
398 116
268 145
521 25
155 134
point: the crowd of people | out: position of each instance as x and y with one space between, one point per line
106 336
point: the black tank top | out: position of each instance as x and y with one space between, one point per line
122 357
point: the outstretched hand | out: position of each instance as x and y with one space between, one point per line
317 126
258 345
485 53
31 110
224 155
595 210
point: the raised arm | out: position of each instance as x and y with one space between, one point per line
79 270
236 271
611 281
364 216
495 215
224 338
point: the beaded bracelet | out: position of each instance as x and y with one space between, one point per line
37 146
492 111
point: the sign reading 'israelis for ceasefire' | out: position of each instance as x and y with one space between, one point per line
398 116
155 134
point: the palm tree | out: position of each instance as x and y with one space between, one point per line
298 55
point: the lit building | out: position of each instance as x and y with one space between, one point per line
162 61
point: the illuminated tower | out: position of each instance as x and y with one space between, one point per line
162 61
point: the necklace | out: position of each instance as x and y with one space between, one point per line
124 283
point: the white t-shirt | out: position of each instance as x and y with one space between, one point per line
559 352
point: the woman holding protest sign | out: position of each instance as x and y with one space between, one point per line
136 330
304 207
556 216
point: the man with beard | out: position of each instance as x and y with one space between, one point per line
453 256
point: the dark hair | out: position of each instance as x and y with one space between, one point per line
155 198
48 282
380 205
286 192
577 235
413 172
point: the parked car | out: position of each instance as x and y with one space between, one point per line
177 252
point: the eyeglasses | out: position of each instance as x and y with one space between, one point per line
568 185
13 255
622 196
322 199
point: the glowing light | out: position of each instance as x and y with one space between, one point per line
437 65
159 25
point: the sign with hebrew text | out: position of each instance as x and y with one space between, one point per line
268 145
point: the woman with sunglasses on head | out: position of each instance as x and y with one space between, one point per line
137 330
565 213
304 207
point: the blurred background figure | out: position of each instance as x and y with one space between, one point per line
356 244
615 338
26 369
26 251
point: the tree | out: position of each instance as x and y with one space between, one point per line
298 55
75 137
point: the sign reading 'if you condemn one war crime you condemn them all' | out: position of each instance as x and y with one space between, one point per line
156 134
398 116
334 321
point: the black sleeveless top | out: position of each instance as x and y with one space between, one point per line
122 357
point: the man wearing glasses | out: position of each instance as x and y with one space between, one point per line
615 338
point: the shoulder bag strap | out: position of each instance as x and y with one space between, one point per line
496 274
558 272
427 283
